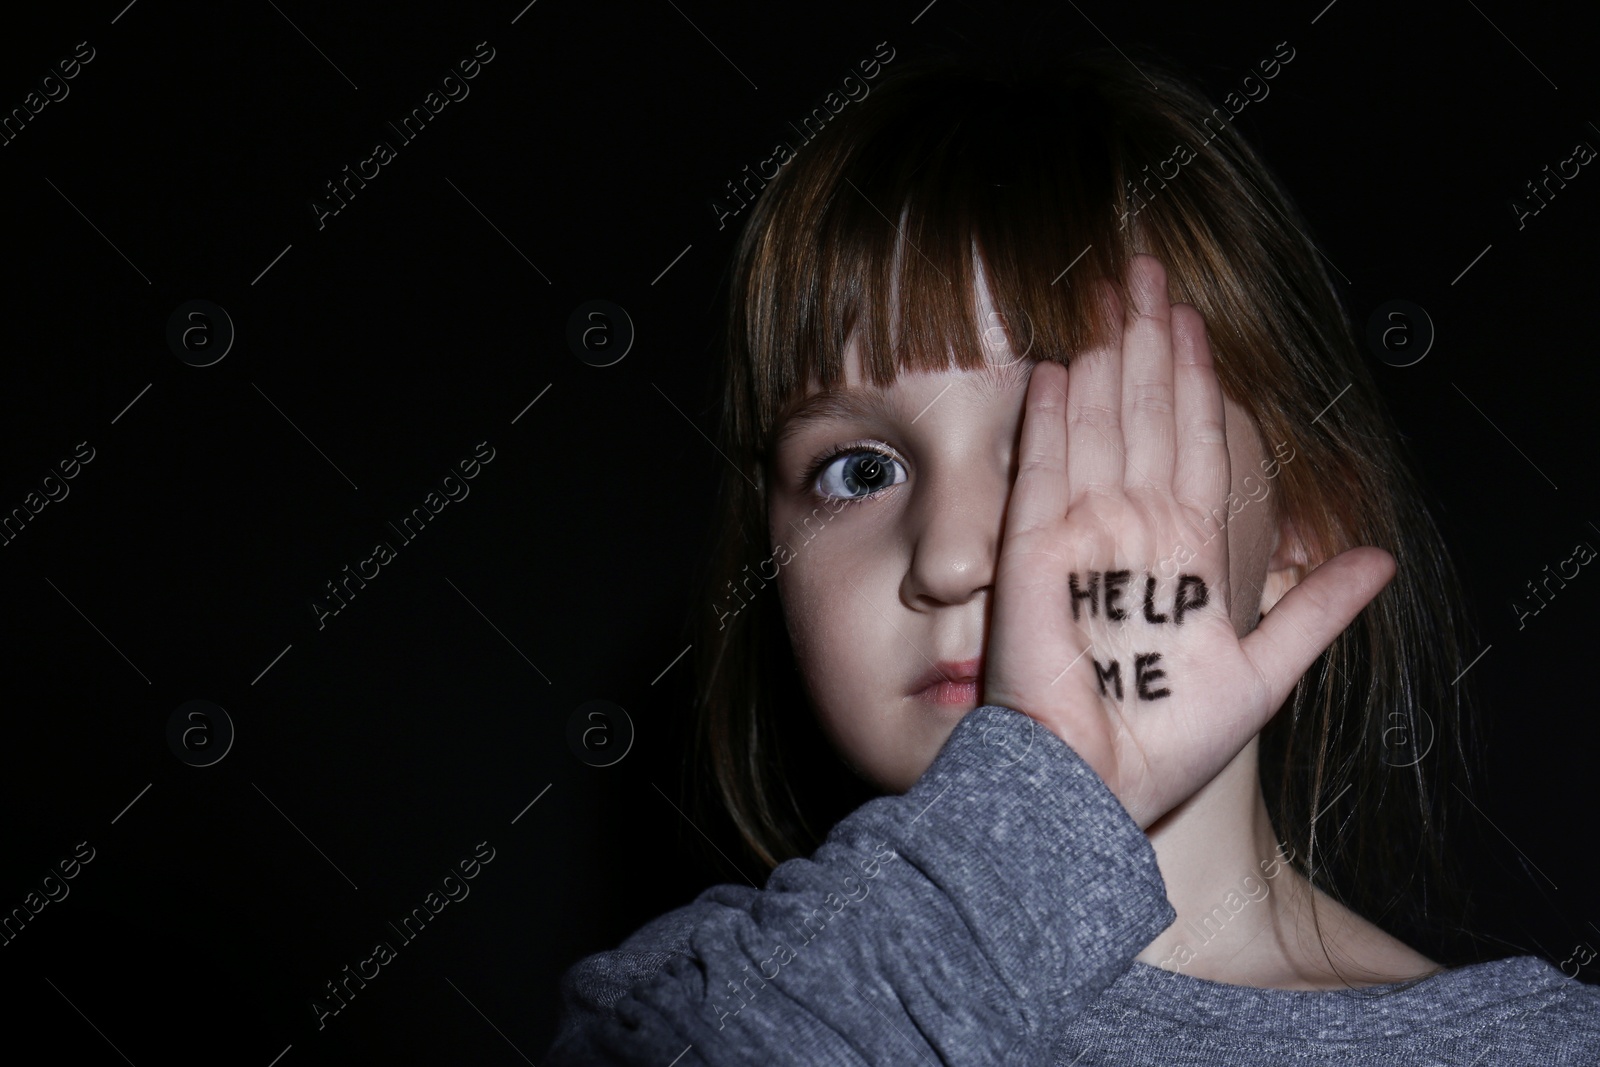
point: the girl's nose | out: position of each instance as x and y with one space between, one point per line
955 537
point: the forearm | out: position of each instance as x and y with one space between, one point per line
967 920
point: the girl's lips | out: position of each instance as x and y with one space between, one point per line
956 692
950 682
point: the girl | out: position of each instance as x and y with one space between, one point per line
1046 424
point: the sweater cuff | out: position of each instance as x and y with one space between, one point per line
1044 855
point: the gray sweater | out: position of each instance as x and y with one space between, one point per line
991 915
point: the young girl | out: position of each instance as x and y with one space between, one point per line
1092 549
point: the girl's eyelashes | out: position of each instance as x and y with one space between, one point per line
853 471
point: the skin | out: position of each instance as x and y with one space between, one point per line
880 590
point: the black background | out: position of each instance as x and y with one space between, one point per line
376 352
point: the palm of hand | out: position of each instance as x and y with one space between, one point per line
1121 462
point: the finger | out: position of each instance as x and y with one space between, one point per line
1202 475
1039 494
1147 389
1299 627
1094 412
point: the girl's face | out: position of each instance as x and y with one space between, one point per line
891 503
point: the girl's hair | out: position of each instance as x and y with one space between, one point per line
1056 178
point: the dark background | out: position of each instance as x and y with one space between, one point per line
424 318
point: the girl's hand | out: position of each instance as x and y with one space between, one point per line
1122 460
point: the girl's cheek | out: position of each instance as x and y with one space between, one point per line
821 603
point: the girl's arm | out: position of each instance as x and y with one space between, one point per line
965 921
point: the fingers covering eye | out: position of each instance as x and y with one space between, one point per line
1202 474
1147 379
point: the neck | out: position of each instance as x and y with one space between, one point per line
1245 916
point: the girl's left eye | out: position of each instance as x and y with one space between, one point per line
856 473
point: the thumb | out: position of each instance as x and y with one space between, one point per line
1306 620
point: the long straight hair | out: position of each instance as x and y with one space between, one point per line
1056 178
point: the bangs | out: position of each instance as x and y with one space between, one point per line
882 226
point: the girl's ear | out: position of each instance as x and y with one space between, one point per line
1289 563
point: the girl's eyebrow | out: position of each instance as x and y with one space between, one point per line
830 404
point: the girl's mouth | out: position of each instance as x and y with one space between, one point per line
949 682
960 691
